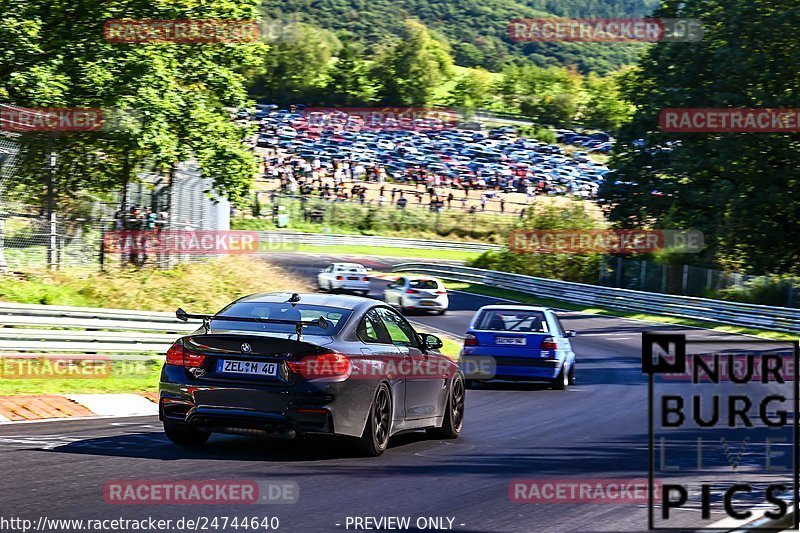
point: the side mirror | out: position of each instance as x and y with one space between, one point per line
431 342
571 333
321 270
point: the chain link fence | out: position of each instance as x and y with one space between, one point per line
310 213
73 235
649 276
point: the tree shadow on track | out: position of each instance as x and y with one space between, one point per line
443 459
154 445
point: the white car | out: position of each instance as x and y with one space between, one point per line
417 293
287 131
344 277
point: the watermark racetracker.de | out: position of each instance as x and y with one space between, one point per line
379 118
54 366
612 30
210 31
612 241
19 119
201 492
730 120
588 490
195 242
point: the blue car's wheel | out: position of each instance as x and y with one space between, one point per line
561 382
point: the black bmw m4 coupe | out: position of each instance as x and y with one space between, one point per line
282 365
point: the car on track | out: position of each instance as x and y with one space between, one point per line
282 365
351 277
417 293
524 343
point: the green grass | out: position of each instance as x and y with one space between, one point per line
549 302
454 255
123 377
151 289
452 346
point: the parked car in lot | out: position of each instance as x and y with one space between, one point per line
526 343
344 277
282 365
287 131
417 293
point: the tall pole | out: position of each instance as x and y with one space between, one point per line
52 243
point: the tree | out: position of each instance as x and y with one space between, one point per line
163 102
349 82
472 90
740 189
295 68
555 109
549 95
605 107
411 68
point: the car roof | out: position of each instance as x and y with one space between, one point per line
514 307
359 265
344 301
420 276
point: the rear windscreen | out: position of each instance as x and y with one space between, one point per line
282 311
521 321
423 284
352 268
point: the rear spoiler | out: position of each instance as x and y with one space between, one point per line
321 322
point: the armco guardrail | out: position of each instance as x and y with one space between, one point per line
738 314
87 330
279 238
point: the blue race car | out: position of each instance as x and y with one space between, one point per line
518 343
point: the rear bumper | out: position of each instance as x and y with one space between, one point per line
281 411
422 304
350 285
486 368
545 370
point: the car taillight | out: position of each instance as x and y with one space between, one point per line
324 365
441 292
340 278
548 344
180 356
175 355
411 291
470 340
365 278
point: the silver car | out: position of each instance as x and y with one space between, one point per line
344 277
417 293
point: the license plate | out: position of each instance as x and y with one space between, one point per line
428 303
517 341
257 368
354 278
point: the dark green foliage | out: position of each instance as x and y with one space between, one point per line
741 189
476 29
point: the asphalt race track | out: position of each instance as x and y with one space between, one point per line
596 429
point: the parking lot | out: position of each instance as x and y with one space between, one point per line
316 153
